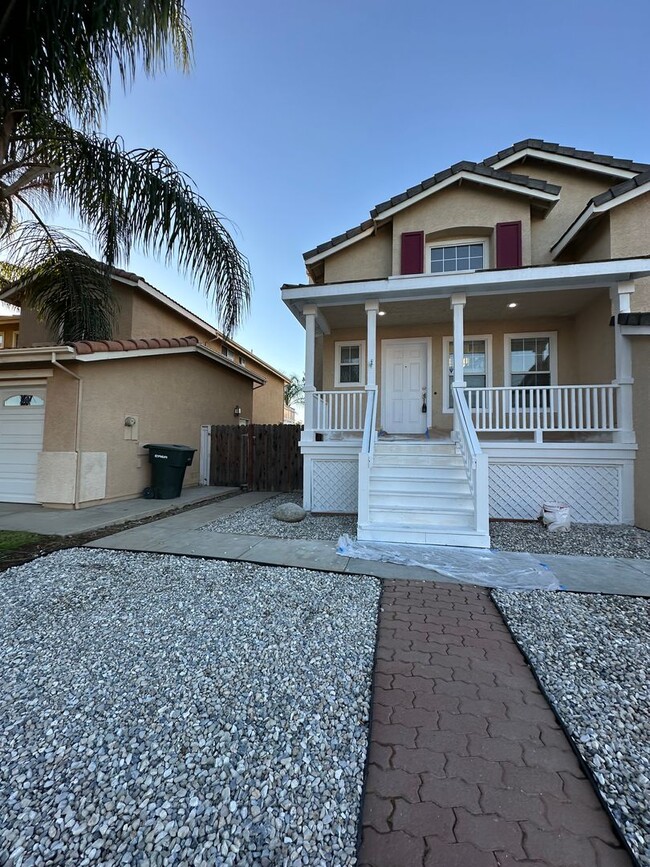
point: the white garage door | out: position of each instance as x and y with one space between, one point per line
22 414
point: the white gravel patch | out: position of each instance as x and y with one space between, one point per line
259 521
592 655
172 711
595 540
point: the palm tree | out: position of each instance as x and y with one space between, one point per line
294 390
57 62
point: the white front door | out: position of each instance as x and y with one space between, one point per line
404 386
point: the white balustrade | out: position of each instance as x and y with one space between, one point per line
589 408
338 411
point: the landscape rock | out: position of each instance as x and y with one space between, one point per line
291 513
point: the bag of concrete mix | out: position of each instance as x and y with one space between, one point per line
556 516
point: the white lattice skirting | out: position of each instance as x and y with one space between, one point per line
335 484
592 491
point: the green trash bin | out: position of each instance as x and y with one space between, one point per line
168 463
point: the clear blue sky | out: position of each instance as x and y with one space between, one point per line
300 115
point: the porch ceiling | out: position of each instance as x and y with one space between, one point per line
485 308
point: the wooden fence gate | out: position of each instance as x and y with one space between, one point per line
264 457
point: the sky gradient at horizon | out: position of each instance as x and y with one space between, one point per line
298 117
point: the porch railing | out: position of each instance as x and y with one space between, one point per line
366 456
476 462
339 411
562 408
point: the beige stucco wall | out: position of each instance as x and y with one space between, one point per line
594 342
630 232
363 260
268 399
170 396
641 371
149 318
566 351
460 211
577 188
32 331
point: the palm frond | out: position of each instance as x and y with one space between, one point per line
68 291
59 56
140 197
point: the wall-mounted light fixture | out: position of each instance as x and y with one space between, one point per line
237 411
512 304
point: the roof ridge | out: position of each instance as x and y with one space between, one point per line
563 150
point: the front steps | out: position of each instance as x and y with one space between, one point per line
419 493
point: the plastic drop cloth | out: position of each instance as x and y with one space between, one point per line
482 566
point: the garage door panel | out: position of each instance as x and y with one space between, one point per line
21 441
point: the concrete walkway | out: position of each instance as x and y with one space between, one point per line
67 522
181 534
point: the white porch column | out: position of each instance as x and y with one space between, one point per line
458 306
372 309
620 295
309 312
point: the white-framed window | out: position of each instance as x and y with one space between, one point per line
530 359
350 362
23 400
2 340
469 254
477 365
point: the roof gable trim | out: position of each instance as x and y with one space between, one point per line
573 162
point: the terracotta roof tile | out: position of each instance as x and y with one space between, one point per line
87 347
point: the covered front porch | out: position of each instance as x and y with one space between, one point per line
518 371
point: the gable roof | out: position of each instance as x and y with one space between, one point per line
534 187
639 185
562 153
112 350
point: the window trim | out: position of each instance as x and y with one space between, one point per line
456 242
446 343
507 352
338 345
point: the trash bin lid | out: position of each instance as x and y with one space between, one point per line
172 447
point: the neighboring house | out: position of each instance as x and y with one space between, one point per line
460 361
74 419
9 325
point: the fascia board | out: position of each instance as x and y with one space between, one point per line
573 162
534 279
347 243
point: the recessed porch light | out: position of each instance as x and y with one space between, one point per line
382 313
512 304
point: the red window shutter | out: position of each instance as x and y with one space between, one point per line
412 253
509 245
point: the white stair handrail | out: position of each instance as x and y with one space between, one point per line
367 454
476 462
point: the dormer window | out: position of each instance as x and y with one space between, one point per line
470 255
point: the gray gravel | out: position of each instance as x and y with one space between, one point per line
592 654
162 710
259 521
597 540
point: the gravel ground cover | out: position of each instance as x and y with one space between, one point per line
592 655
598 540
259 521
163 710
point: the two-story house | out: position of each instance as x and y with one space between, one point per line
470 349
74 419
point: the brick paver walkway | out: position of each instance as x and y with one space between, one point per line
467 765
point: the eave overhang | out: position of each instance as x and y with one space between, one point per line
536 278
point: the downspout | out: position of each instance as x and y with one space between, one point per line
77 429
